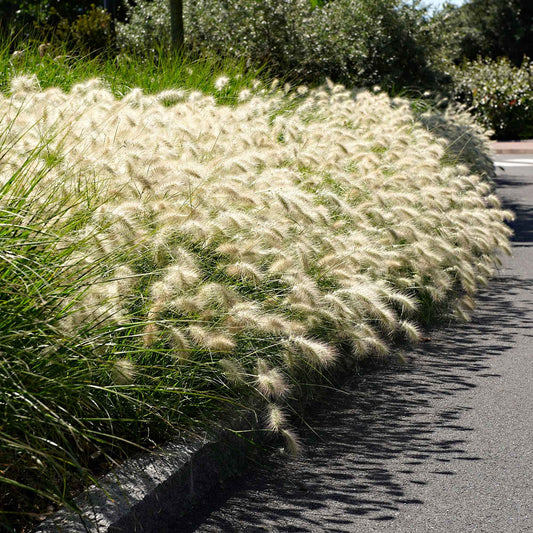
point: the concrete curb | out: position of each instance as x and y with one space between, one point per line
149 493
512 147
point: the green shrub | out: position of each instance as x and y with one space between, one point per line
353 41
92 31
89 31
147 30
29 18
499 94
487 28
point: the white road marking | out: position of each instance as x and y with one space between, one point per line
522 160
515 163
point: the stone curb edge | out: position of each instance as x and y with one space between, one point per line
150 492
512 147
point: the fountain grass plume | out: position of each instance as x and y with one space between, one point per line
171 256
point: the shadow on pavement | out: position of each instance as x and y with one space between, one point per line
522 225
383 433
511 189
367 437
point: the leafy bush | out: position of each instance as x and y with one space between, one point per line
92 31
27 18
354 41
28 11
487 28
85 30
147 29
499 94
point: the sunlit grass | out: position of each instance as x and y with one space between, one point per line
165 256
59 66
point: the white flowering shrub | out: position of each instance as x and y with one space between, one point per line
245 245
498 94
355 41
147 29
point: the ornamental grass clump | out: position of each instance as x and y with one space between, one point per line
225 253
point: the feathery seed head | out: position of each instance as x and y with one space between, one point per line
150 334
233 371
220 343
270 381
180 343
198 334
410 330
123 372
244 271
171 96
161 292
186 304
24 84
276 418
221 82
315 352
244 95
292 442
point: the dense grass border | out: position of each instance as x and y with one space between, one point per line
55 65
120 415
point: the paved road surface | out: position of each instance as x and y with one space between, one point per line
442 444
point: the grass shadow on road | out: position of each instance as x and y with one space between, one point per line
386 432
371 439
511 191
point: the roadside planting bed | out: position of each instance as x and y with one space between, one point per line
165 257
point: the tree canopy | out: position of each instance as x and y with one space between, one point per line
489 28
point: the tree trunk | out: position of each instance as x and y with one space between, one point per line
111 6
176 25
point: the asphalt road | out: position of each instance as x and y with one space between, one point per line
443 443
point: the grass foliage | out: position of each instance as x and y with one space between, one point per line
164 255
56 65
